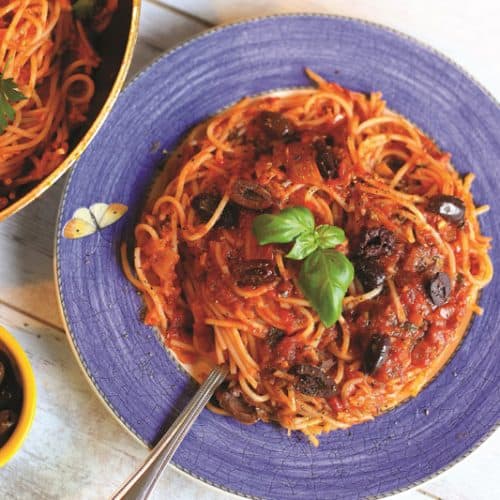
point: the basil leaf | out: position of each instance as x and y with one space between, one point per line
283 227
9 93
329 236
324 278
305 244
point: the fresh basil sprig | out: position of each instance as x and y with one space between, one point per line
305 244
283 227
329 236
326 273
324 278
9 93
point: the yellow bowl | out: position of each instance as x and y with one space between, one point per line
116 50
22 366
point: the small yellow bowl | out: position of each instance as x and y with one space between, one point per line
22 366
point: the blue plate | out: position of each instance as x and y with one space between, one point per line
128 364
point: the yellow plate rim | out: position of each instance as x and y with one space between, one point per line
25 371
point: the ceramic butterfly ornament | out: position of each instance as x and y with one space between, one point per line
87 221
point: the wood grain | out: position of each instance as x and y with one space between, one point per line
462 30
26 239
76 449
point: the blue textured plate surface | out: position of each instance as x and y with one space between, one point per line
127 363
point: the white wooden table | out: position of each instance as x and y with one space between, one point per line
76 449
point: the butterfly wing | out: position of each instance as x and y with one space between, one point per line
105 214
82 224
98 210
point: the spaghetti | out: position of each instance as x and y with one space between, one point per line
46 50
217 296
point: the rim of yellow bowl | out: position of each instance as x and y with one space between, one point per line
25 372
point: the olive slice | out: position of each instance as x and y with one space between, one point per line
326 160
274 335
233 403
449 207
376 353
205 205
394 162
255 272
251 195
275 125
370 273
376 242
439 288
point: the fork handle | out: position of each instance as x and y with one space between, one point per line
140 485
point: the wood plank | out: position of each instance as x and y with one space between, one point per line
144 54
465 31
26 239
26 247
75 448
64 456
163 28
475 477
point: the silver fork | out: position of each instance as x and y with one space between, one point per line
141 484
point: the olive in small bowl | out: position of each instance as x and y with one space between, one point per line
17 396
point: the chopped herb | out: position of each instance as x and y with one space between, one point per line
9 94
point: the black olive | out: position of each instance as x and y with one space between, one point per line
370 273
376 353
2 372
10 395
233 403
255 272
326 160
376 242
10 390
7 396
274 335
205 205
229 217
439 288
312 381
330 140
251 195
275 125
8 419
394 163
450 208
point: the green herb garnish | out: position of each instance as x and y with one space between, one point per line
326 273
283 227
9 94
84 9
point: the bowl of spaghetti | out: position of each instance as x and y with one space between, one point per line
295 214
62 65
321 246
